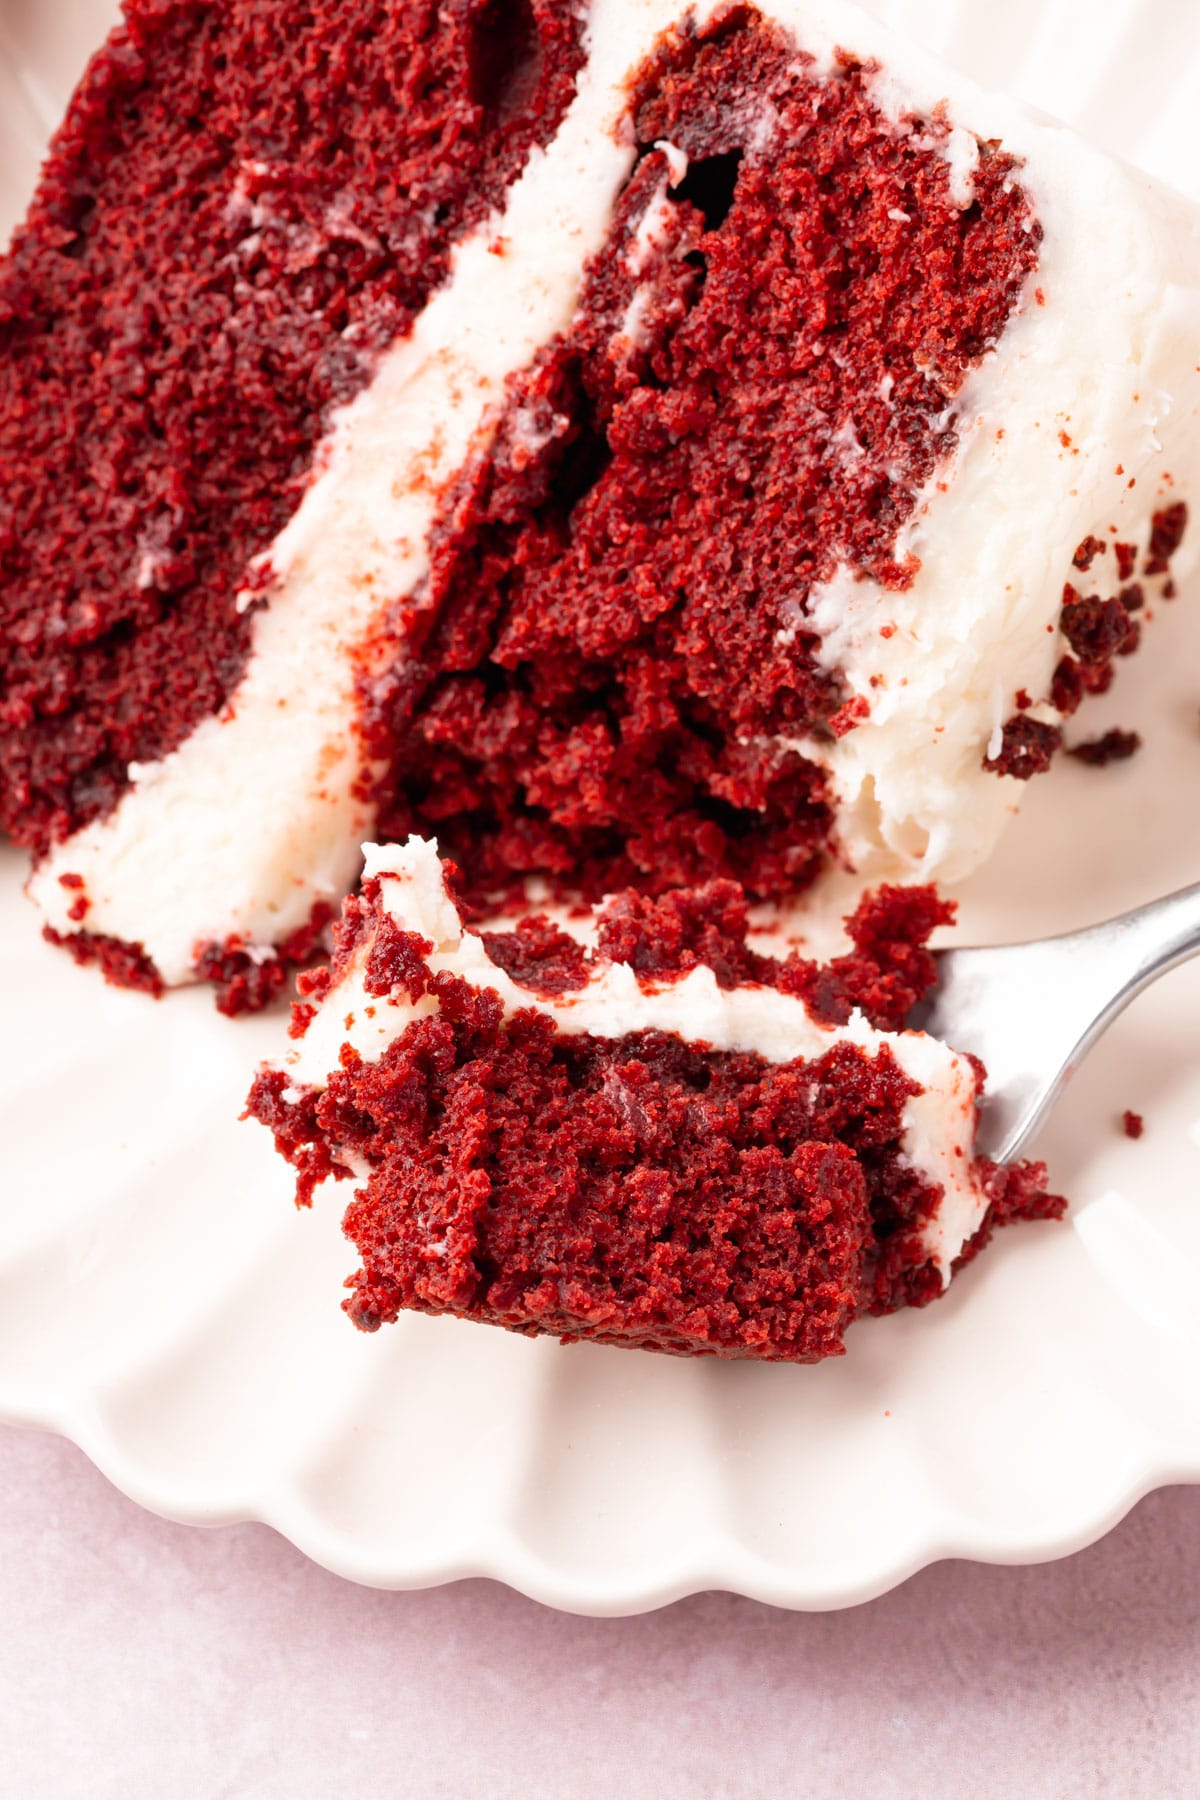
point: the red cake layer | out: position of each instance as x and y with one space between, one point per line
612 645
245 204
638 1191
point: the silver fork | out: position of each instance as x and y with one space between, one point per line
1031 1012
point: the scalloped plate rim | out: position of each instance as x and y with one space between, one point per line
511 1563
707 1559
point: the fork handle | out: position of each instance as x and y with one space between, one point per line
1139 946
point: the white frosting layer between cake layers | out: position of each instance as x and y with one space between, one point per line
256 816
939 1123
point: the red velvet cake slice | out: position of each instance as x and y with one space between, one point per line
637 443
632 1127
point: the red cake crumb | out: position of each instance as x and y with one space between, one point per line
681 931
1166 535
1026 749
246 983
637 1191
539 955
1067 689
1088 551
1097 630
359 922
245 205
1112 746
607 681
886 975
890 969
125 965
1132 1124
1017 1191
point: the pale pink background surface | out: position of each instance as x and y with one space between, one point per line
139 1658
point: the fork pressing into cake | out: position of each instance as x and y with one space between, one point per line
1031 1012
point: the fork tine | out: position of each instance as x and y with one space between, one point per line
1031 1012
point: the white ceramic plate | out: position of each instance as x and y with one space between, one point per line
162 1304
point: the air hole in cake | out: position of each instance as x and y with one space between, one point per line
76 222
587 452
709 185
503 57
